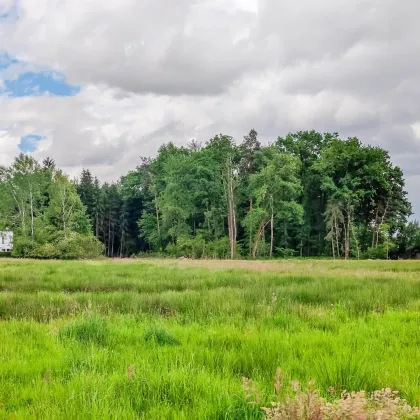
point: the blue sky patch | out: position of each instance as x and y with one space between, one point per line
6 60
33 83
28 144
36 84
9 15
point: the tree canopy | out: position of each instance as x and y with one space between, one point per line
44 210
308 194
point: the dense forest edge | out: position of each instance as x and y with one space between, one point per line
306 195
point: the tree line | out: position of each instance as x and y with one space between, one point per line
308 194
42 207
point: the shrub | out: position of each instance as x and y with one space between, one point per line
46 251
24 247
218 249
74 246
91 246
286 252
191 247
173 250
77 246
381 252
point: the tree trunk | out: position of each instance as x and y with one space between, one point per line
381 223
97 224
32 211
272 228
109 235
257 238
158 222
208 222
256 241
346 225
231 210
285 243
375 227
233 220
250 232
23 217
337 232
63 208
112 243
356 241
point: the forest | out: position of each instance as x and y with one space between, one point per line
305 195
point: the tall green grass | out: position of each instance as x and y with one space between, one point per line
162 339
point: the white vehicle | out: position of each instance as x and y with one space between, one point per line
6 241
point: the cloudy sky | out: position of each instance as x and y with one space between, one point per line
96 83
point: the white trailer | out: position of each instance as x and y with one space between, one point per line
6 241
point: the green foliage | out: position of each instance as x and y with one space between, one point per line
90 329
65 210
192 247
160 336
313 194
408 239
197 247
286 252
24 247
45 212
381 252
219 249
164 339
74 246
47 251
77 246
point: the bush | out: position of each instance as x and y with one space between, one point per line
173 250
24 248
197 247
46 251
5 254
286 252
218 249
381 252
77 246
192 247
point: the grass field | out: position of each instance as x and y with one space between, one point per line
172 339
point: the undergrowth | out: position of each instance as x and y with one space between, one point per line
307 403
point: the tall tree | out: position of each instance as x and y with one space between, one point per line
365 186
66 211
23 181
86 191
275 189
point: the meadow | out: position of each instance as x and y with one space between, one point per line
168 339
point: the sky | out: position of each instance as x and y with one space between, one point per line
97 84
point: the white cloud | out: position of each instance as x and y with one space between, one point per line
5 5
139 46
157 70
